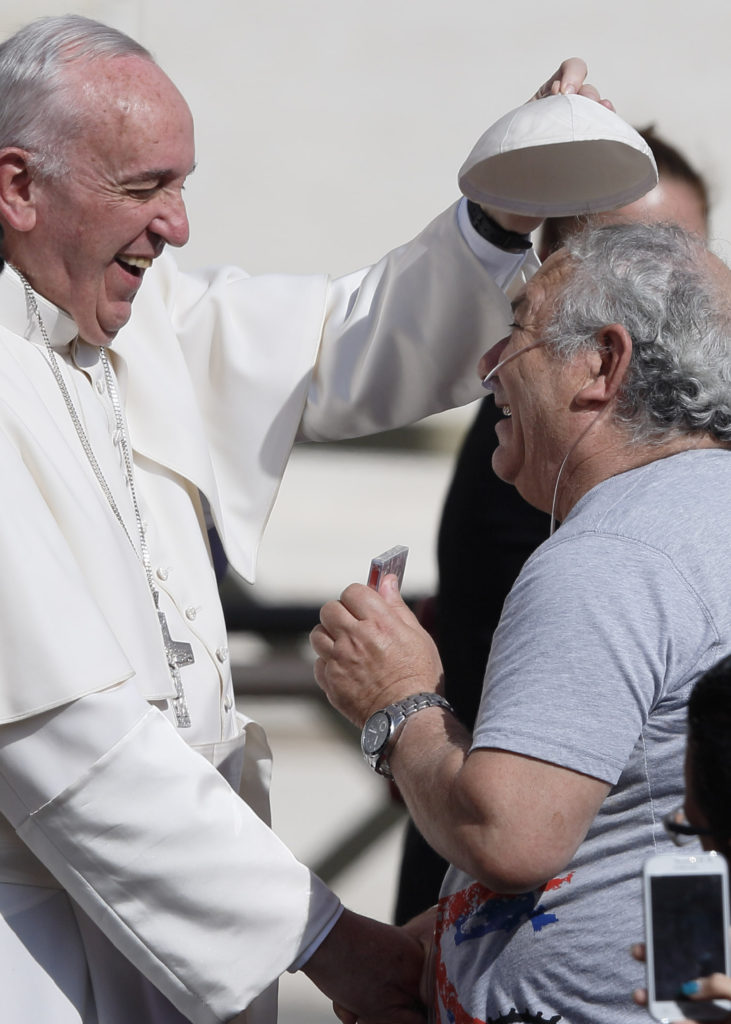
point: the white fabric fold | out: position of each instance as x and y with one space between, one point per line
188 883
275 357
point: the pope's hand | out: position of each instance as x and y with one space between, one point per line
570 78
371 651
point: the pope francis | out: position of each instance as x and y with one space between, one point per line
139 880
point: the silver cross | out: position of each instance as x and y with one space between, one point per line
178 654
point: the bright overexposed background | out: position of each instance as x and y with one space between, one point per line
328 132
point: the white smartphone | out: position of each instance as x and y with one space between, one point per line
686 931
391 561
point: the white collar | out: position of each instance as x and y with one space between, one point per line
19 319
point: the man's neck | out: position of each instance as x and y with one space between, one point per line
624 455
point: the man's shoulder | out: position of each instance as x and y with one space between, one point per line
670 516
654 499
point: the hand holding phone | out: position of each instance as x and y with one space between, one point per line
391 561
686 931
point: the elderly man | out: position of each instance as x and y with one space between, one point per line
487 531
615 387
135 883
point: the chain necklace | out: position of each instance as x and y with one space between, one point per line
178 654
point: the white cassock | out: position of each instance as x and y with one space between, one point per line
183 902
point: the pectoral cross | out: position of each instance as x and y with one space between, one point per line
178 654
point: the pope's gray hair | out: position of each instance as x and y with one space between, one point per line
654 280
38 111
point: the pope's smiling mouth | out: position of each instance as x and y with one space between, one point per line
134 264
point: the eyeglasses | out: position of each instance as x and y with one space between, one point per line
680 829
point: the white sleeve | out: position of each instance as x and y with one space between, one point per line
180 874
253 363
403 340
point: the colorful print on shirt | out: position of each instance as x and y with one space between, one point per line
473 913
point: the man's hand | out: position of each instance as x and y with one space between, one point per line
423 927
371 971
570 78
371 651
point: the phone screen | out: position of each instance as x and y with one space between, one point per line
687 929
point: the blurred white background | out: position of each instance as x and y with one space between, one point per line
328 132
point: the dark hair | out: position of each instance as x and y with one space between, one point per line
709 748
670 164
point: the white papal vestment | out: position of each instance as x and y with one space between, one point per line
180 895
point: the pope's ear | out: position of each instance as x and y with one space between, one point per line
608 365
17 190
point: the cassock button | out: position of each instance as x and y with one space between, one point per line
100 385
228 702
162 573
222 654
191 613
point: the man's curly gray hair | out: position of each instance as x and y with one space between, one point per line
38 111
656 281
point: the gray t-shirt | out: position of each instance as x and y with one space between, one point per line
601 638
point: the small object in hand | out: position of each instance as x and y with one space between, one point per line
391 561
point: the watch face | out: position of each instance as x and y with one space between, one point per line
375 732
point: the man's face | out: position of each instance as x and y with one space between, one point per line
534 391
98 228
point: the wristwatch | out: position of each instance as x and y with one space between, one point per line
381 730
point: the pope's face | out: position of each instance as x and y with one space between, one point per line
534 391
99 227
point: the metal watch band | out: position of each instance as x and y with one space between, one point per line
397 714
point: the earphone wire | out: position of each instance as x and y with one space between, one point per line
578 440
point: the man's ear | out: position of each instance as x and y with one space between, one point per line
608 365
17 192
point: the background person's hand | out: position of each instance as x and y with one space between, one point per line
715 986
